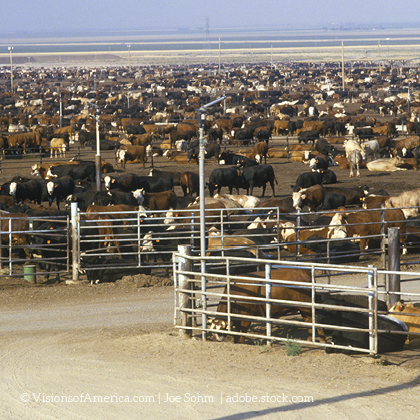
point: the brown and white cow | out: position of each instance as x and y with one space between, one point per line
131 154
312 197
165 200
369 223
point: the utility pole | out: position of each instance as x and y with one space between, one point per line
129 58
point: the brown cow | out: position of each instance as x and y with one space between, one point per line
131 154
105 223
371 201
240 306
369 223
18 222
141 139
409 314
165 200
190 183
313 197
259 152
24 140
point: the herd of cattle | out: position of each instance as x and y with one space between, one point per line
149 116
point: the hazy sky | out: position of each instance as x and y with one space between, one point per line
53 15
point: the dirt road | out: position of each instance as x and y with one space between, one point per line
110 351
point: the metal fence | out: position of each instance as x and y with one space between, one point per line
212 293
87 243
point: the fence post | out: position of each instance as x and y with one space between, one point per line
373 312
75 241
394 264
184 318
268 303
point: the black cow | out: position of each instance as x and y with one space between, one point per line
5 188
353 195
306 180
135 129
60 189
86 137
363 133
328 177
215 134
340 128
229 158
176 176
83 199
333 201
82 170
309 135
127 182
291 127
223 177
29 190
257 176
157 183
211 150
340 252
49 245
114 197
328 127
319 163
243 135
323 146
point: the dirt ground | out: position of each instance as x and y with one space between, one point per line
118 340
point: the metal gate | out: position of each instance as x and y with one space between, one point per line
198 295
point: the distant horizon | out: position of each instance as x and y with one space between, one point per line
119 31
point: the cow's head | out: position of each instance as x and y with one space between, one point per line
13 188
107 181
336 229
50 187
298 198
35 170
121 155
139 195
218 325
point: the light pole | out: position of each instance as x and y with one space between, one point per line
98 150
201 116
11 69
129 58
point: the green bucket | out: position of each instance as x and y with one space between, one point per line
29 273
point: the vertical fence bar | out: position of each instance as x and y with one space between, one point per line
373 313
394 265
75 239
313 298
268 303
